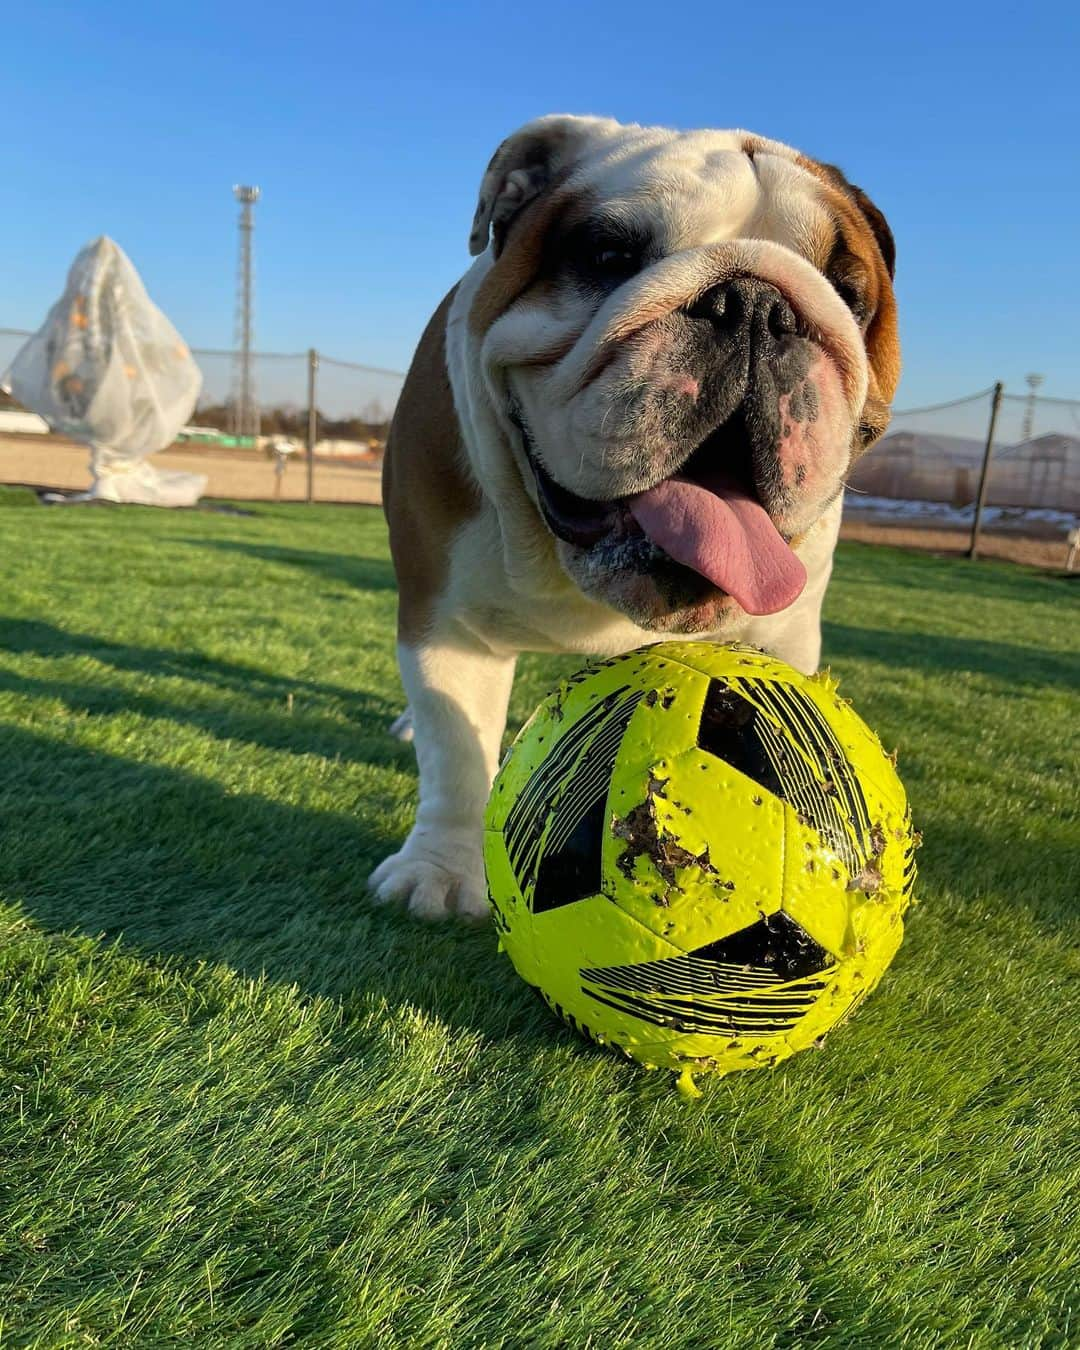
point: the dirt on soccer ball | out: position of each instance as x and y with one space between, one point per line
699 856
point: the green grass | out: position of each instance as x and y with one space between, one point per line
241 1108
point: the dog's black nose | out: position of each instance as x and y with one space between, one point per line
746 305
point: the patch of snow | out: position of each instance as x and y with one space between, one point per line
942 512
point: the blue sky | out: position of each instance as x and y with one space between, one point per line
368 127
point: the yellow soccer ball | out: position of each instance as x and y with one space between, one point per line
699 856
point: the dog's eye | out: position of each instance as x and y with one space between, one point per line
848 281
601 258
851 297
616 261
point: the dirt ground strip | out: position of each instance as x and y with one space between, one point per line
1049 551
51 462
47 461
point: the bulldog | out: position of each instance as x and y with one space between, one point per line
632 418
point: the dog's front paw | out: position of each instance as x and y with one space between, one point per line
435 874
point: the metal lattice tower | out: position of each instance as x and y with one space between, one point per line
245 405
1033 382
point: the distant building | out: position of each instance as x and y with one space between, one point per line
927 466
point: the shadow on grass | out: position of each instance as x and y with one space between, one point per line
31 637
174 866
938 654
1035 874
364 738
371 574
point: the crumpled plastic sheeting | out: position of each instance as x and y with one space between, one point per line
108 368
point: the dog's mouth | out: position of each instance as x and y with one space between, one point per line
707 516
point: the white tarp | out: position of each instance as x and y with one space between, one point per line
108 368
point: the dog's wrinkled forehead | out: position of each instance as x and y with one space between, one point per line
698 188
683 189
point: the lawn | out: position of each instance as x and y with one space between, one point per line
240 1107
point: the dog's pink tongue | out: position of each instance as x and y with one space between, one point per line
726 535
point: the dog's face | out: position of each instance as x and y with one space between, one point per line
687 338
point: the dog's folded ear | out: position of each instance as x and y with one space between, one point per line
879 228
525 165
875 218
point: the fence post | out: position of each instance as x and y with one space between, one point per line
312 421
980 500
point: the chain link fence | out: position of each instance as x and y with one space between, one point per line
353 403
993 461
1019 454
935 454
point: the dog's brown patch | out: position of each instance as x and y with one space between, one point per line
862 232
530 247
428 491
